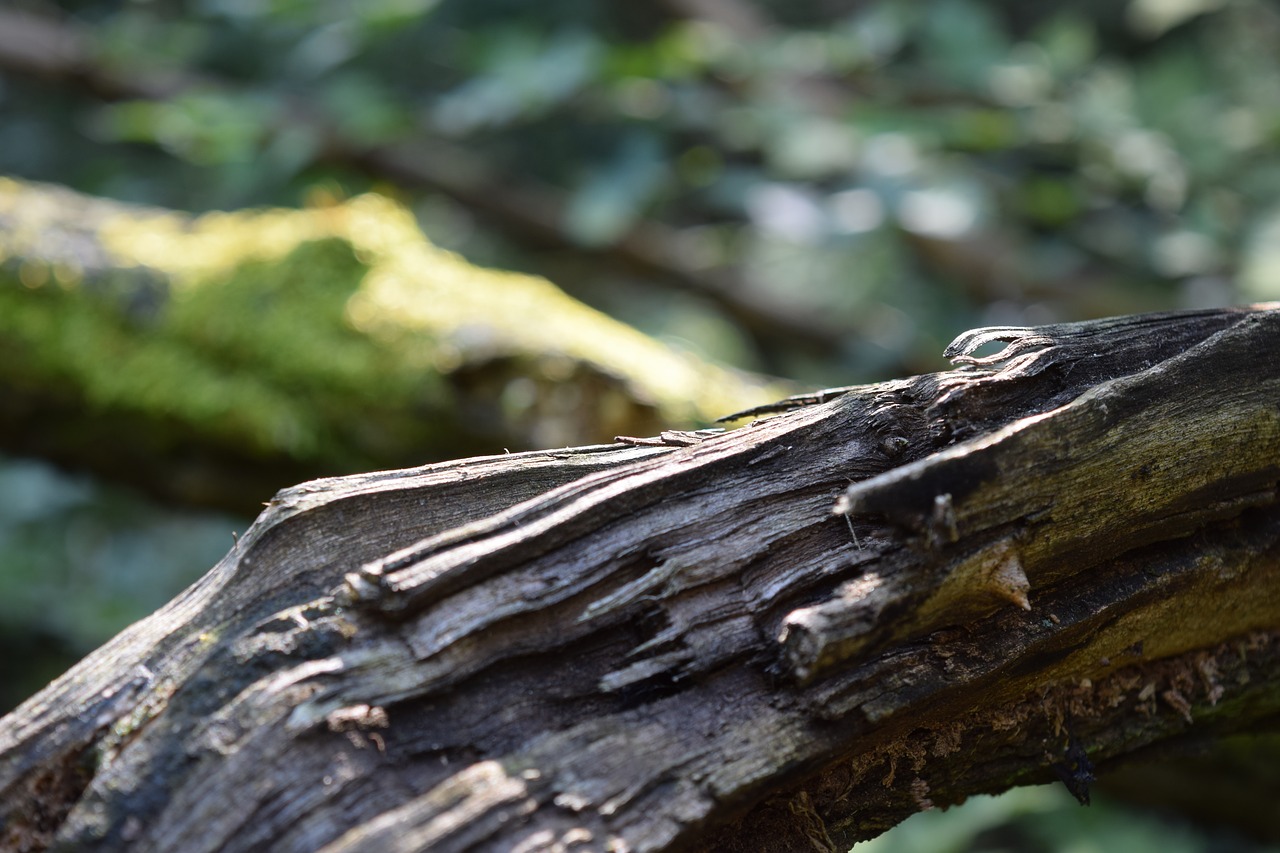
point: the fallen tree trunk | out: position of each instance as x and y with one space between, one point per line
788 636
221 355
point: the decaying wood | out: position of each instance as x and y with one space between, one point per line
787 636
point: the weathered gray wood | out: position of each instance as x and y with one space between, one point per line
787 636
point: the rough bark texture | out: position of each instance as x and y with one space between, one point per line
788 636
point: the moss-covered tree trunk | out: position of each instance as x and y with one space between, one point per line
788 636
209 360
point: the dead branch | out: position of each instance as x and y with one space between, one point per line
788 636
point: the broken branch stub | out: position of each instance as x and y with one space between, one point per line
679 644
1143 457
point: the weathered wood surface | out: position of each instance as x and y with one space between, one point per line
1053 557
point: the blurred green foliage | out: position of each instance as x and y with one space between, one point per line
891 171
81 560
1047 819
838 187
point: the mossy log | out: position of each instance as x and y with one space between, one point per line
211 359
788 636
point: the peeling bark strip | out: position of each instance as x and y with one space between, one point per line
1062 553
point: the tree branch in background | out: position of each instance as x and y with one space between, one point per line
220 356
530 214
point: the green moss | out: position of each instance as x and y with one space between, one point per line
286 318
334 339
285 324
263 359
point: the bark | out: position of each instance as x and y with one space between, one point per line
788 636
